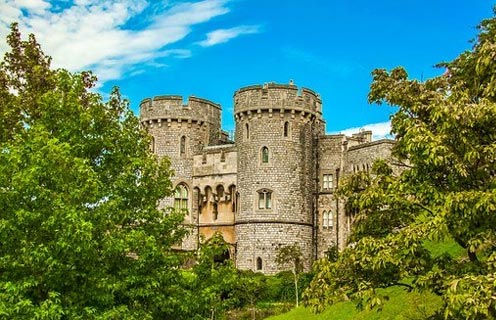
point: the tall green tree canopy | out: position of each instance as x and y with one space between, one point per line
446 145
80 233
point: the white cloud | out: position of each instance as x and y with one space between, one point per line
95 34
381 130
224 35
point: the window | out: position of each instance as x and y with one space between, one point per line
215 211
182 148
204 159
331 220
265 155
325 220
264 199
259 263
247 131
181 197
152 144
327 182
286 129
222 156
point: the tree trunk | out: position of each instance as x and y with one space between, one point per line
296 285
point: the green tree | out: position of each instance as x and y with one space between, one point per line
80 233
446 143
249 288
215 280
290 257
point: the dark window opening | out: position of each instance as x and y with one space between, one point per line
183 146
223 257
259 263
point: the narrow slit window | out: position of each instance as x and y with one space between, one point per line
182 147
286 129
265 155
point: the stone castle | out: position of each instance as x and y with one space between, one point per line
270 187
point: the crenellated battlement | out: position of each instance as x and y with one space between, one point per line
172 107
273 97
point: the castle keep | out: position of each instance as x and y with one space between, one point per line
270 187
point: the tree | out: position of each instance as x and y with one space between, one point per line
249 288
291 256
80 233
215 280
446 144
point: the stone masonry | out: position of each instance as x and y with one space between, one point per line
274 185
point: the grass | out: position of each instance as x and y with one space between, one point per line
402 305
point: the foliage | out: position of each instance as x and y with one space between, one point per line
80 233
446 146
291 256
215 280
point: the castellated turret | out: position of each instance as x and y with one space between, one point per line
276 130
179 131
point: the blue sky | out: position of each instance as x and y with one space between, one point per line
211 48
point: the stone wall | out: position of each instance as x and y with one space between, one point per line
361 157
262 240
278 119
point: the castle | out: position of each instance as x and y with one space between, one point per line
274 185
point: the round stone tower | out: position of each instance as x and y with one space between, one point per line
276 130
179 131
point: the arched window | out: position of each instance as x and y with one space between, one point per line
181 197
331 220
152 144
325 220
208 194
264 199
220 192
259 263
197 199
286 129
247 131
182 147
265 155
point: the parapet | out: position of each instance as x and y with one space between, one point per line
280 97
173 107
